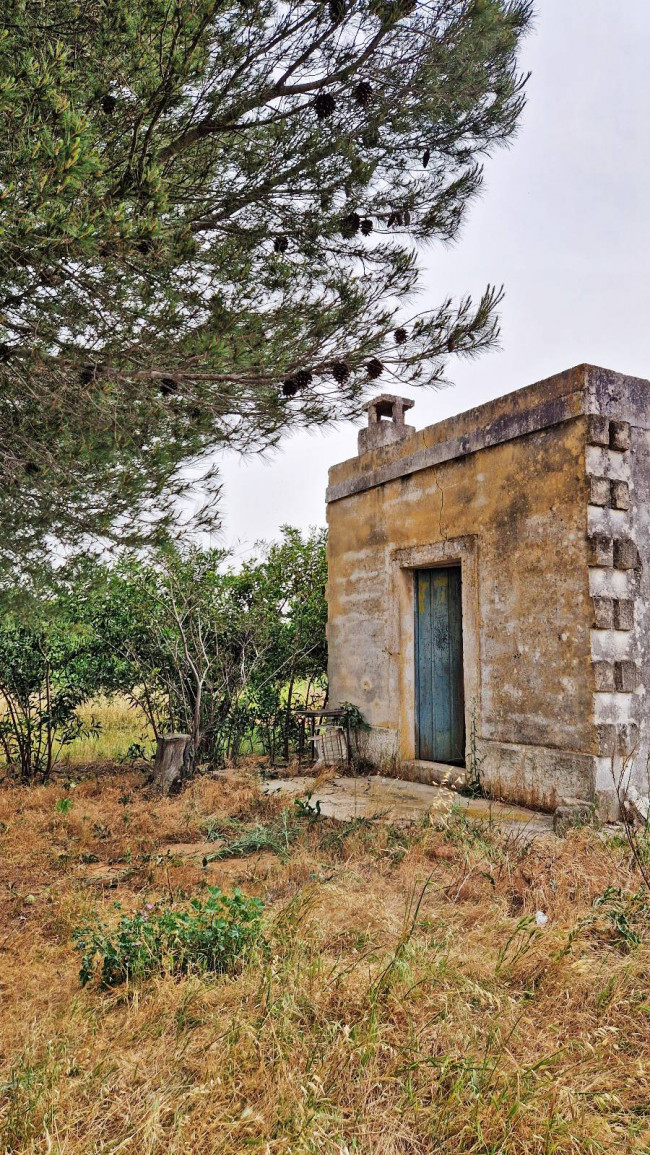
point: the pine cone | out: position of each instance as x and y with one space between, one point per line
109 103
350 225
340 371
374 368
407 217
290 387
303 378
87 375
426 157
366 226
168 386
281 244
394 218
400 336
324 105
337 11
451 343
363 93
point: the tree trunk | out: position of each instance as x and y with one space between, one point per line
287 715
50 735
173 755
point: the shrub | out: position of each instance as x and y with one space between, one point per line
44 678
212 936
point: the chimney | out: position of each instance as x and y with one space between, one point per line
385 422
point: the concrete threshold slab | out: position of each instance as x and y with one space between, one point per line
395 800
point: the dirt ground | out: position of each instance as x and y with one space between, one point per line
433 985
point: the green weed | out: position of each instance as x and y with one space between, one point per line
626 913
27 1101
210 936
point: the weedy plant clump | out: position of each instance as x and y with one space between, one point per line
212 936
241 841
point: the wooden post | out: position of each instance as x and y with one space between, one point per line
172 762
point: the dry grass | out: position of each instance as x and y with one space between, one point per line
399 1009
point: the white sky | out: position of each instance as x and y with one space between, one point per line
562 223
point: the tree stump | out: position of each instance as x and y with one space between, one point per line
172 761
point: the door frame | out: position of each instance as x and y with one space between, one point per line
461 551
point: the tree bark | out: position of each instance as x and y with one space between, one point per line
173 757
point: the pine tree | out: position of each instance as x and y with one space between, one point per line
178 180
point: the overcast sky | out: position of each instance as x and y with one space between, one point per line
562 222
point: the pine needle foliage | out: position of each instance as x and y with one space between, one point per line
177 181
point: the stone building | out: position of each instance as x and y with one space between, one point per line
489 590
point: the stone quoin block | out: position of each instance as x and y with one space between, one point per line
604 676
607 739
603 613
619 435
600 550
626 677
620 495
600 491
598 430
627 738
623 614
626 555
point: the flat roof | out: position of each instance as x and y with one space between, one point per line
573 393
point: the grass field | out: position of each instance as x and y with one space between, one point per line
121 725
406 1000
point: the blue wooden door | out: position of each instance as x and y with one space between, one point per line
439 713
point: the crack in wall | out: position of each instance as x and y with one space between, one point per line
441 533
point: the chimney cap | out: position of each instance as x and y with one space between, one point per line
389 401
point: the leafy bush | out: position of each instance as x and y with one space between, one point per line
200 647
212 936
204 649
43 680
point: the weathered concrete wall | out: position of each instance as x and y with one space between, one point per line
523 503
